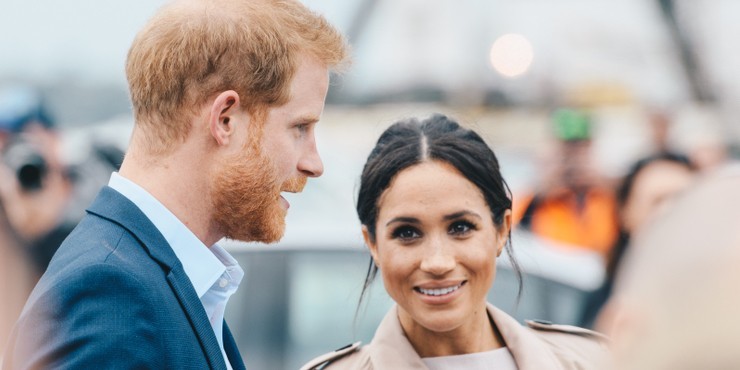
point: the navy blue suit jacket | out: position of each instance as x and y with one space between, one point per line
115 296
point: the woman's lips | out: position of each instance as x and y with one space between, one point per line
440 294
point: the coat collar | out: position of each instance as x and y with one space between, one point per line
529 351
390 349
113 206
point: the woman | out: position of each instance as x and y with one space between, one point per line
436 215
676 296
648 187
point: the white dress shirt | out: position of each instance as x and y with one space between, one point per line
214 273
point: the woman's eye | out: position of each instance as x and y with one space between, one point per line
406 233
461 228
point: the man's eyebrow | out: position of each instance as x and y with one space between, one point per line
409 220
457 215
309 118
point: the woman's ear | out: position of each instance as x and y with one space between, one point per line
372 246
504 232
221 120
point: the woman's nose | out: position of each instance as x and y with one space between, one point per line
437 261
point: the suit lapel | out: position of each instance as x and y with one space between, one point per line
232 351
114 207
197 315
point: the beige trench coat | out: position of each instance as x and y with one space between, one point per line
538 346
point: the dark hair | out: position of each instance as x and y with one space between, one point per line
624 191
410 142
596 300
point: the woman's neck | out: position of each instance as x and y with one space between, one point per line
478 334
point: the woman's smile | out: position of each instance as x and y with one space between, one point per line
441 295
437 247
440 291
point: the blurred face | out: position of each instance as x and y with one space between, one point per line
436 247
576 166
675 307
280 158
652 190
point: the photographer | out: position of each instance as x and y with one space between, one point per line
42 197
34 184
34 192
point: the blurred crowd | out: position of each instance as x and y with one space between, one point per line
577 207
664 229
42 195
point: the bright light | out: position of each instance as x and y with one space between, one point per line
511 55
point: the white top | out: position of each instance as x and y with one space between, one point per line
214 273
498 359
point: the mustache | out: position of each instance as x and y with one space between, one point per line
295 184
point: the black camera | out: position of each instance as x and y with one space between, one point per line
27 163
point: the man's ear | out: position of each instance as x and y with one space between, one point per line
372 246
221 118
503 232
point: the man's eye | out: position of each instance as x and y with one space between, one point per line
302 128
406 233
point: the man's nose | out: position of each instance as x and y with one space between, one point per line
311 164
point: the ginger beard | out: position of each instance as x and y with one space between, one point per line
246 197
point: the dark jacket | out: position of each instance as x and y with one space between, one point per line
115 296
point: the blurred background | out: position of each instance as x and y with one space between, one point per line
570 94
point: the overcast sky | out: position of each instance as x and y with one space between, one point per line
85 39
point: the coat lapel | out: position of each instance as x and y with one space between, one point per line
232 351
390 349
529 351
197 315
114 207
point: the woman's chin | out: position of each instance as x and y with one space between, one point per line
438 320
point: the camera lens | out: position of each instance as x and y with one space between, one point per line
27 163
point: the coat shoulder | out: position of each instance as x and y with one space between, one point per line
573 344
351 356
546 326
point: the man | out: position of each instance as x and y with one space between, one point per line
226 95
574 206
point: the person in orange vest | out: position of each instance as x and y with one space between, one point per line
575 207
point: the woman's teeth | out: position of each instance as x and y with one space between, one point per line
442 291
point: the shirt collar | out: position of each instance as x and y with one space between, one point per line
202 265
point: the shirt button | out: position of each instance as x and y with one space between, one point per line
223 283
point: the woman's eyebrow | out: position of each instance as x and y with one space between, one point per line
457 215
409 220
